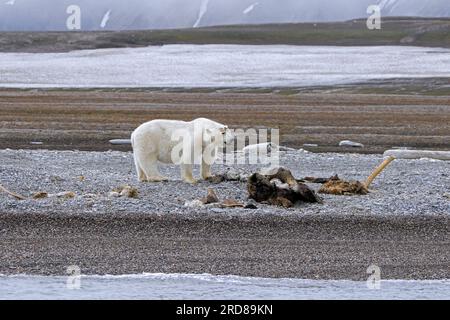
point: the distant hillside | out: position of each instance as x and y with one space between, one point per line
50 15
395 31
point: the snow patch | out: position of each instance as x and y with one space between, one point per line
250 8
202 12
105 19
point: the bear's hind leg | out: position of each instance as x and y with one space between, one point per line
149 165
140 173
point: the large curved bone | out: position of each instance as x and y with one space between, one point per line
15 195
378 170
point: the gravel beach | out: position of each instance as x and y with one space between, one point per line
402 225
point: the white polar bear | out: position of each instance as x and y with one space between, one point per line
179 142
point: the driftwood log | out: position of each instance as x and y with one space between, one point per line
417 154
279 187
120 141
13 194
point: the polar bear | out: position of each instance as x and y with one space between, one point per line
179 142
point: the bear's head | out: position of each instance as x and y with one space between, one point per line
219 135
227 134
214 132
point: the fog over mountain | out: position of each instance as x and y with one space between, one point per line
43 15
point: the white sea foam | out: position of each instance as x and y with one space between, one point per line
207 286
220 66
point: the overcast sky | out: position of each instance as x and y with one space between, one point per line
148 14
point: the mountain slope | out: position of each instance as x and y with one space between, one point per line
428 8
45 15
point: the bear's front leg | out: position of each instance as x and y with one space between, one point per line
186 173
206 170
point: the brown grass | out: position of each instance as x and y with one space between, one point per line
87 119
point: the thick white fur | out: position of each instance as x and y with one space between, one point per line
153 142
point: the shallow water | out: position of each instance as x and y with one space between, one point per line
220 66
189 286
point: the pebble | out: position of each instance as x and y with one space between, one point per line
348 143
194 204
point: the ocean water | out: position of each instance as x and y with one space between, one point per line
221 66
205 286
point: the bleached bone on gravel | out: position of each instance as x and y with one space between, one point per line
418 154
120 141
348 143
